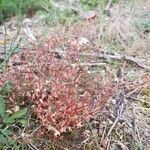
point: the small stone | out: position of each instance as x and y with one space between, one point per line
90 15
83 41
16 108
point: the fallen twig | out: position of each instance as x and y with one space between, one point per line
138 61
119 113
90 64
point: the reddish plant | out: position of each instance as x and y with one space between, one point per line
63 95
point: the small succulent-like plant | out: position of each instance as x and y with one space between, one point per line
63 95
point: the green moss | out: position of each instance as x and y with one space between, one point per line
146 94
143 24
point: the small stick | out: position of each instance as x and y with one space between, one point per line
116 120
137 61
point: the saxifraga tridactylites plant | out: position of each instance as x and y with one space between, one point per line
63 95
